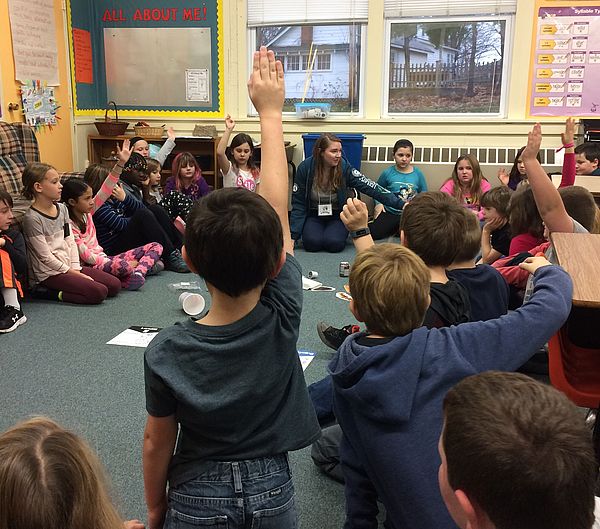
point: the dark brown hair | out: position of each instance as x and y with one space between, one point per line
521 451
6 198
434 227
497 198
580 205
326 178
234 240
523 213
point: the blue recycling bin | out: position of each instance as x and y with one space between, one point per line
351 146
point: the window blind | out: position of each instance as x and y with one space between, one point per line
430 8
296 12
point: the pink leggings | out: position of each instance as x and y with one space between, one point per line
77 289
118 265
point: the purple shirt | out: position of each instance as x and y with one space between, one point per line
194 191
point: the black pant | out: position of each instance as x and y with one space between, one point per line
385 225
143 227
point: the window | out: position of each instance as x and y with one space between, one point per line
447 64
326 40
322 63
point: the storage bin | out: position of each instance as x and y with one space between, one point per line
351 146
312 110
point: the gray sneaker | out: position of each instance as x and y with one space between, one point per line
174 262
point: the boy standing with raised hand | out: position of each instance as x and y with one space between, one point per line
232 382
390 382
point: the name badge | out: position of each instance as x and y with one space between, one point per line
325 210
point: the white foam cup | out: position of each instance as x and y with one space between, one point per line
191 303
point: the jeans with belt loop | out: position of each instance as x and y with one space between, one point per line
248 494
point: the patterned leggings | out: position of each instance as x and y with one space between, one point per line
119 265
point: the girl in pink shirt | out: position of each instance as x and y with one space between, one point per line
467 184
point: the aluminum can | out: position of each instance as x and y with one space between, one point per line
344 269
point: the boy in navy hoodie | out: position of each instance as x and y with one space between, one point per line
390 382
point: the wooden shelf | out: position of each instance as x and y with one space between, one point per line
102 149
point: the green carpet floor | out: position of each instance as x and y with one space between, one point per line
58 364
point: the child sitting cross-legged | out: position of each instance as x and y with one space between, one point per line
488 291
515 453
225 395
390 381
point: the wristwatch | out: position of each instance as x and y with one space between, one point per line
360 233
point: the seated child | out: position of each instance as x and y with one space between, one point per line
390 382
526 225
51 478
186 177
140 145
231 383
52 256
488 291
495 235
515 453
404 180
587 156
13 267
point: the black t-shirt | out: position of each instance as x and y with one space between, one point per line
238 390
501 240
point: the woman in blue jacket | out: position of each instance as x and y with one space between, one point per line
323 183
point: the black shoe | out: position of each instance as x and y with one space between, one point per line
334 337
174 262
11 318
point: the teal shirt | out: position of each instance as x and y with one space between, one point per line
404 185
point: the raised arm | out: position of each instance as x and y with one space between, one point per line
112 179
568 142
223 142
548 200
267 88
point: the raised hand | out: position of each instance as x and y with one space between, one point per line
171 133
534 141
266 86
355 214
124 152
568 136
503 176
229 123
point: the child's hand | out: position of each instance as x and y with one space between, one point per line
133 524
568 136
118 193
124 152
355 214
503 176
531 264
266 86
79 273
171 133
534 140
2 242
494 224
229 123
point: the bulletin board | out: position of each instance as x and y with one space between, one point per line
565 63
156 57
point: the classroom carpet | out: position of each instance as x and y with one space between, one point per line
59 365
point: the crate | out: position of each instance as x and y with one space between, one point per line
351 146
312 110
149 133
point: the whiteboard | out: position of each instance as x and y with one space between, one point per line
158 67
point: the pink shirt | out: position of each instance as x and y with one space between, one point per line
448 187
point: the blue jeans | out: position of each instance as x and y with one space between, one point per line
324 233
251 494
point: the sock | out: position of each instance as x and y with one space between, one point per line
10 297
60 293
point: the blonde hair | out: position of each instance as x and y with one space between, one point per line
390 287
50 479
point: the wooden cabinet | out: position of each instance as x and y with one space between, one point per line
102 149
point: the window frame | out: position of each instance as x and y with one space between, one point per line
360 112
506 63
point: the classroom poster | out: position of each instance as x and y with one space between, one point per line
566 62
155 57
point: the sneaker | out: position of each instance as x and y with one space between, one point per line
135 281
157 268
11 318
174 262
334 337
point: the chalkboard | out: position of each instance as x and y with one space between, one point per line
153 57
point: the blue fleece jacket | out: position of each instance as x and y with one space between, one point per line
388 401
351 178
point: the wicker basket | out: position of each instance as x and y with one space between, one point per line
149 133
206 131
110 127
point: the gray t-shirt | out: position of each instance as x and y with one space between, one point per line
551 256
238 390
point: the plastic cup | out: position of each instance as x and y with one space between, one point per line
191 303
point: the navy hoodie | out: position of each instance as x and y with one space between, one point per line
388 401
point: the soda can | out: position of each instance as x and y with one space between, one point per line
312 274
344 269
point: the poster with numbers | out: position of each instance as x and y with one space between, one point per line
566 70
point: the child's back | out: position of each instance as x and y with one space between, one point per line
388 396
